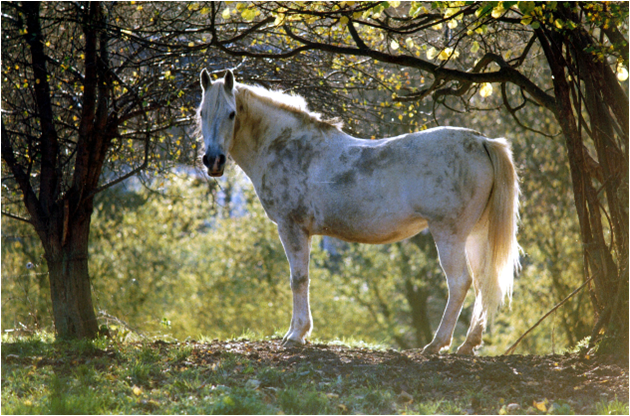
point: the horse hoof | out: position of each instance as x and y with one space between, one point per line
291 343
431 350
466 350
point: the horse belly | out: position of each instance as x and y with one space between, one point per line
360 225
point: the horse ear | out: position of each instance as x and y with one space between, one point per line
205 80
229 81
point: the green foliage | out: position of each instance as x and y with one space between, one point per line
615 407
299 402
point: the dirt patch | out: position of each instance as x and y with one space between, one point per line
578 381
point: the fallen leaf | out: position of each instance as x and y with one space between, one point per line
542 405
405 397
343 408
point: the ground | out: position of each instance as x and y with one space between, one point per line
579 382
247 377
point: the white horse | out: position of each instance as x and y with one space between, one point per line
312 178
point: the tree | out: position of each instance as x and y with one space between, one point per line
86 105
568 58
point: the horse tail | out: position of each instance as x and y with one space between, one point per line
493 249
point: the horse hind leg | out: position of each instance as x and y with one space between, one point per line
453 259
296 245
476 249
476 329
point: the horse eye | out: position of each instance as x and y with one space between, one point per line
232 115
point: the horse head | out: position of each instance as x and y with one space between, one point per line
217 113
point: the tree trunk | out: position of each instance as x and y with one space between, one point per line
606 261
66 252
417 299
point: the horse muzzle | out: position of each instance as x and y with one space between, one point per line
215 164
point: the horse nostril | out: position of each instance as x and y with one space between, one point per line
221 159
204 159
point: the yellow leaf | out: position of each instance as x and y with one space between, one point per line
191 44
475 47
432 53
622 73
136 390
394 44
542 405
205 10
450 12
485 90
226 13
394 4
447 53
452 24
498 11
249 14
344 20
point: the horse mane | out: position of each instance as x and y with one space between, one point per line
292 103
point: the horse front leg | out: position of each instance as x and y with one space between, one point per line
297 246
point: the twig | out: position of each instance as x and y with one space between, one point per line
562 302
119 321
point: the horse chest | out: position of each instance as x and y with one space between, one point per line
283 195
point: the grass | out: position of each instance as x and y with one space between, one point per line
42 376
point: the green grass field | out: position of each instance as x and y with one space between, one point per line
40 376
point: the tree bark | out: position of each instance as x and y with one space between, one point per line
70 288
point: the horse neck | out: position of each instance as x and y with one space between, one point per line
258 123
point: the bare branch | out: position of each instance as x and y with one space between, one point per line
50 144
513 110
17 217
30 199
